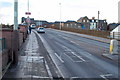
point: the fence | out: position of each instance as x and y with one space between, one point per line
115 35
103 34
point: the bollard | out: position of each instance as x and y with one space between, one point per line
113 47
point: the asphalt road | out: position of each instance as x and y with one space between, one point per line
78 57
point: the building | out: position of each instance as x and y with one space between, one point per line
41 23
112 26
102 25
24 20
72 24
93 23
85 22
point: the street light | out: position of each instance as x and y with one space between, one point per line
60 16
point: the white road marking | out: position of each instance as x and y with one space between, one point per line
50 51
70 51
69 57
106 75
78 56
59 58
74 42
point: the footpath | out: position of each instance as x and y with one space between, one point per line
31 64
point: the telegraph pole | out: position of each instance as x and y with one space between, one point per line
98 20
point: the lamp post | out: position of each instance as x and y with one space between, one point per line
60 16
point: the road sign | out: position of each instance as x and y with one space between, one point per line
28 13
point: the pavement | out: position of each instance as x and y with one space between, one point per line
31 63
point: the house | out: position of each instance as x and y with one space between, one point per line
85 22
58 23
102 25
24 20
93 23
112 26
72 24
40 23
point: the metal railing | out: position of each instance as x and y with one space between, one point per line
2 44
115 35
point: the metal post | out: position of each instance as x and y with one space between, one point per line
98 20
119 12
28 5
60 16
15 14
15 42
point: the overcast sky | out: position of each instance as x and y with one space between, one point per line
49 10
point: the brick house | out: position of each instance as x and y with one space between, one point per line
112 26
93 23
85 22
102 25
72 24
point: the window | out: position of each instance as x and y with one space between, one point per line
83 20
87 20
67 25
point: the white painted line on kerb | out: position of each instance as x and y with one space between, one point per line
59 58
104 76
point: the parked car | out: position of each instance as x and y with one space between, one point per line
40 30
33 26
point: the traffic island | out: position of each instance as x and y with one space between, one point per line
114 57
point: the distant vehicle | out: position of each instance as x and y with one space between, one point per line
33 26
40 30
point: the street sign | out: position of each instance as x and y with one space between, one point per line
28 13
